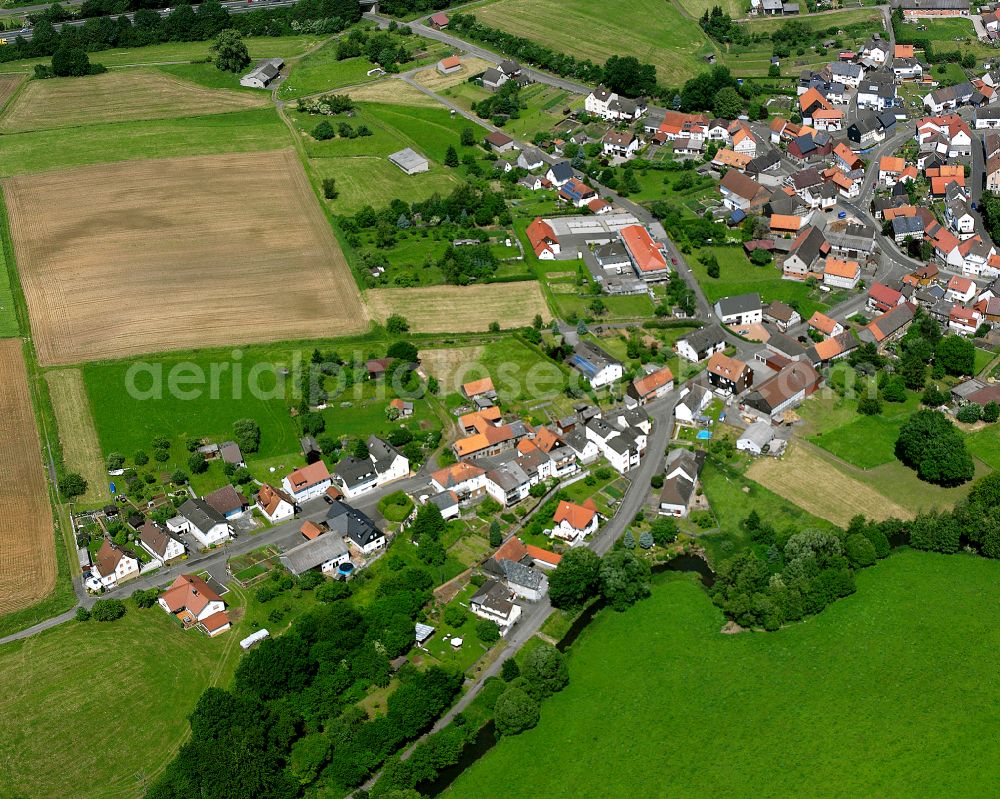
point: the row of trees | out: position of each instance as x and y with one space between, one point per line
786 576
184 23
623 74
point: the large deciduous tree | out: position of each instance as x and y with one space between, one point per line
230 51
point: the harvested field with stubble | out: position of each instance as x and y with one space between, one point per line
434 80
460 309
393 90
80 448
27 542
8 85
448 365
810 481
116 96
146 256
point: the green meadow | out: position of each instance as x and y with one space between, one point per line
242 131
889 692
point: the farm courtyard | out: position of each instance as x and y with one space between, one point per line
147 256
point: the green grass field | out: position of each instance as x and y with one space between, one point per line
952 34
985 445
755 58
361 167
179 52
864 441
98 709
320 71
520 373
8 310
890 692
208 75
125 423
243 131
738 276
667 37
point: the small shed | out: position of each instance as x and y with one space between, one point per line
449 65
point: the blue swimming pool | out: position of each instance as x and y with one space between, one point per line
704 435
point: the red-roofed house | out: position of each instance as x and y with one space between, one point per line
964 321
449 65
645 253
192 601
438 21
573 522
543 240
825 324
645 389
961 289
308 482
881 298
841 274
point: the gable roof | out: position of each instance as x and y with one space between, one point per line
576 516
654 381
189 592
739 184
308 476
269 497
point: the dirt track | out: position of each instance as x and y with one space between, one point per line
27 543
144 256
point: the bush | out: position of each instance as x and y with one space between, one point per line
333 591
515 712
197 463
969 414
510 671
82 614
145 598
870 406
487 631
72 485
454 616
107 610
656 481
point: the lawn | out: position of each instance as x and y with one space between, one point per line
519 371
985 445
732 496
738 276
809 710
983 359
361 167
127 423
864 441
80 692
755 58
243 131
320 71
9 325
596 30
259 47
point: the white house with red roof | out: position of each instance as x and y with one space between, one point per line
572 523
652 386
275 504
114 564
308 482
463 478
960 289
964 321
543 240
190 599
